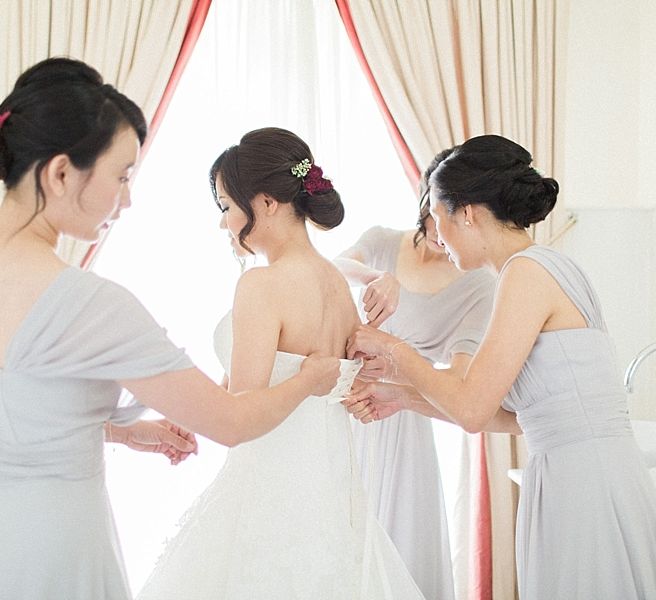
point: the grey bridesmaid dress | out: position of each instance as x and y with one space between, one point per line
586 526
57 389
404 480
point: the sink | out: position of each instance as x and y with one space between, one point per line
645 435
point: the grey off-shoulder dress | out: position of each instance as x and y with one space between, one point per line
404 480
57 389
586 526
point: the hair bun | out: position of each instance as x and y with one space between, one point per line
530 198
496 172
324 209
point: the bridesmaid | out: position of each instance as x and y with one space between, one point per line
70 340
412 291
586 526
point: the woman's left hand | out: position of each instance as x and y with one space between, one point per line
366 342
372 401
360 405
159 436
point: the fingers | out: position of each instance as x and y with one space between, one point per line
354 343
190 436
370 417
369 293
380 319
357 395
379 312
176 441
351 350
360 409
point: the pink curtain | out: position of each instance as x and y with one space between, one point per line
197 16
480 553
480 557
407 160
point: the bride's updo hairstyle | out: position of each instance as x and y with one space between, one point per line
496 172
60 106
278 163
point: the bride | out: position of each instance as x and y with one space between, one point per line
286 517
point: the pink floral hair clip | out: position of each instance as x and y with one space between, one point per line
312 176
3 117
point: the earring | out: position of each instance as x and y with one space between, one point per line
467 222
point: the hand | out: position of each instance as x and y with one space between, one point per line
381 299
367 342
324 371
160 436
369 401
375 368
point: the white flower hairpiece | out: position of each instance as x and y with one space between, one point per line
301 169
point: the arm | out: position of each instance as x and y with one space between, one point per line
523 304
355 271
256 326
353 264
191 399
230 418
378 400
381 297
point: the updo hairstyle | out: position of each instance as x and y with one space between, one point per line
496 172
60 106
262 162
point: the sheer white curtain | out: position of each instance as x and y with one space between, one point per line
133 44
256 64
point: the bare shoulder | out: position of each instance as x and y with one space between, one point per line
527 274
526 292
265 289
260 280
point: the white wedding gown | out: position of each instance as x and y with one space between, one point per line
286 518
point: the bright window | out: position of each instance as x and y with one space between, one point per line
257 63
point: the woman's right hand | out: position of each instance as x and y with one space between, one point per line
381 299
372 401
323 370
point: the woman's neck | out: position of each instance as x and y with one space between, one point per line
504 245
287 241
19 223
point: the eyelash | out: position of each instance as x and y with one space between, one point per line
223 209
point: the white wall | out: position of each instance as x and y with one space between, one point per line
608 176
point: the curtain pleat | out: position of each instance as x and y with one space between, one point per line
447 71
407 160
197 17
134 44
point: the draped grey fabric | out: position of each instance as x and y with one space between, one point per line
586 526
57 389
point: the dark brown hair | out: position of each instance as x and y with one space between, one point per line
262 163
61 106
424 198
497 172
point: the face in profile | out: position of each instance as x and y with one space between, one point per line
446 230
233 219
431 235
104 191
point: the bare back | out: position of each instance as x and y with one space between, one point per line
317 309
300 304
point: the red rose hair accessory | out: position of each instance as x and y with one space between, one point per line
312 176
315 182
3 117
